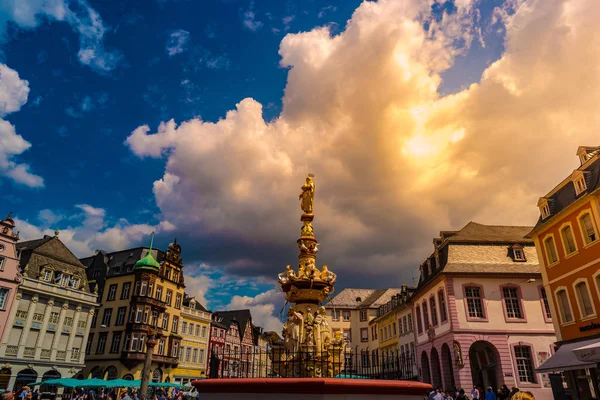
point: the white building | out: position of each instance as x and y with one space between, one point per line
49 322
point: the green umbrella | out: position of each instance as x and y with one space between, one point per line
94 382
123 383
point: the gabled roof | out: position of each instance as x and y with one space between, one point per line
474 232
564 194
125 259
187 300
361 298
242 317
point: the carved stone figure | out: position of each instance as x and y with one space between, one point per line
287 275
294 329
310 270
307 196
338 338
307 229
327 275
321 328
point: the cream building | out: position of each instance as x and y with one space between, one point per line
351 311
195 325
50 320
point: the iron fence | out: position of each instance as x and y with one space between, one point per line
276 362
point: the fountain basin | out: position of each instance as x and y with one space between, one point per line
309 389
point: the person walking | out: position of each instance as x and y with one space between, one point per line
462 395
489 394
475 393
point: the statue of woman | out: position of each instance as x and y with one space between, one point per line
308 195
322 335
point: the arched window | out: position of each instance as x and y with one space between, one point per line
566 233
128 377
52 374
157 375
588 228
550 250
563 305
111 373
583 298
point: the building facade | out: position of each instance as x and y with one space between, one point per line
49 321
394 327
10 276
216 345
350 312
566 237
195 326
236 358
143 294
480 314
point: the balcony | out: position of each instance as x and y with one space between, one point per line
11 351
29 352
132 358
139 299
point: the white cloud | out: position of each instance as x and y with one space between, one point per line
262 307
28 14
395 162
13 90
177 42
90 230
198 286
250 21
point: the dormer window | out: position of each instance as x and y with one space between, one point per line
517 253
544 208
580 186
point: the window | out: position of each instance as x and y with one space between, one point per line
474 302
518 254
203 330
512 303
550 250
545 210
126 343
154 318
364 334
125 291
121 312
175 349
144 288
524 364
3 297
568 240
75 283
580 186
159 290
137 289
400 330
346 315
587 226
47 276
139 314
434 317
116 343
443 311
94 319
101 343
178 301
335 315
563 305
374 332
106 317
184 326
347 335
405 324
134 341
175 324
195 356
68 321
191 331
419 323
188 354
583 298
201 360
88 346
161 347
381 334
112 292
146 315
393 329
410 323
425 315
169 296
363 315
544 298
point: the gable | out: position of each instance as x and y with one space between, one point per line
55 249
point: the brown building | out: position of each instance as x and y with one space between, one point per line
567 237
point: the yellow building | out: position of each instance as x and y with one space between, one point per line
138 295
195 326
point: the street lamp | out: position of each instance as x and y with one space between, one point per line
150 343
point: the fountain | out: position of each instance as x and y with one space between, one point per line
311 358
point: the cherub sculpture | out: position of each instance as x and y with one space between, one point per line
287 275
327 275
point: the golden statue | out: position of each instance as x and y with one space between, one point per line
307 196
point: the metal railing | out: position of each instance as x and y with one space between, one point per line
274 362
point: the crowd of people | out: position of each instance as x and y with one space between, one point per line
113 394
477 393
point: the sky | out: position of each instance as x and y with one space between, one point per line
200 120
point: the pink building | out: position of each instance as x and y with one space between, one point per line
481 314
10 277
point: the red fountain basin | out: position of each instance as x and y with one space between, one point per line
309 388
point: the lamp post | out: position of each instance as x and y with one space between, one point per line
150 343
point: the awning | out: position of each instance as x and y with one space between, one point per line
588 353
565 360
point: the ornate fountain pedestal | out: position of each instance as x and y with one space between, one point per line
307 364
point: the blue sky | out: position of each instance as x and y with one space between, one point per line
96 71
